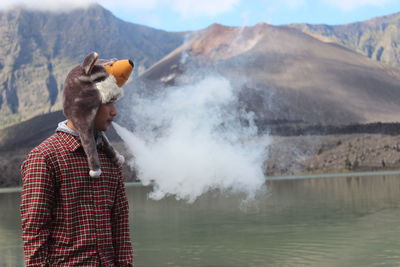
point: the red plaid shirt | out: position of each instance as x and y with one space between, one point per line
69 218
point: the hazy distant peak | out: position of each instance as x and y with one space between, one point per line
388 18
377 38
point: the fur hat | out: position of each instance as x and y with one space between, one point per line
87 86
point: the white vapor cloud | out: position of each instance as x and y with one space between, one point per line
198 145
349 5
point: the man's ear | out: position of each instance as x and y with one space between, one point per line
89 61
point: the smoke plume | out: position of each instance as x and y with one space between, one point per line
192 138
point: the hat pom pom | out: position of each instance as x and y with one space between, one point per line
95 173
120 160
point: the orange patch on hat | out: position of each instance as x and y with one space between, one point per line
121 70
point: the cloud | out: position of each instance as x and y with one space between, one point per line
64 5
51 5
349 5
185 8
195 8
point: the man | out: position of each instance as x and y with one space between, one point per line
71 218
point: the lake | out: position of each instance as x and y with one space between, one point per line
342 221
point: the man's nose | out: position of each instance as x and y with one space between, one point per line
113 111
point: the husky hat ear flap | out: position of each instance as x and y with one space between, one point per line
87 86
88 62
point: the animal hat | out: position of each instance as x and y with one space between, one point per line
87 86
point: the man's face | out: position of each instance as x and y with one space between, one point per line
104 116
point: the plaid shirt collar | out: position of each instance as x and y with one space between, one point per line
71 142
71 138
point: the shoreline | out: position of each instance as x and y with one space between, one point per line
331 175
268 178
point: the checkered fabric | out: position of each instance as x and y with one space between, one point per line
68 217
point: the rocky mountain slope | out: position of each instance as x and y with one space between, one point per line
377 38
333 153
285 76
38 48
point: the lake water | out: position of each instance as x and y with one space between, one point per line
345 221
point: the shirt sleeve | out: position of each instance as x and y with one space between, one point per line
36 201
120 227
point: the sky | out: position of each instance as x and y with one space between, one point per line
185 15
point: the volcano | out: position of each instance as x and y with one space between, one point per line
285 76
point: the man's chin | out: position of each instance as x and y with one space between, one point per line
103 128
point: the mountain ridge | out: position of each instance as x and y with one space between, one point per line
377 38
38 48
